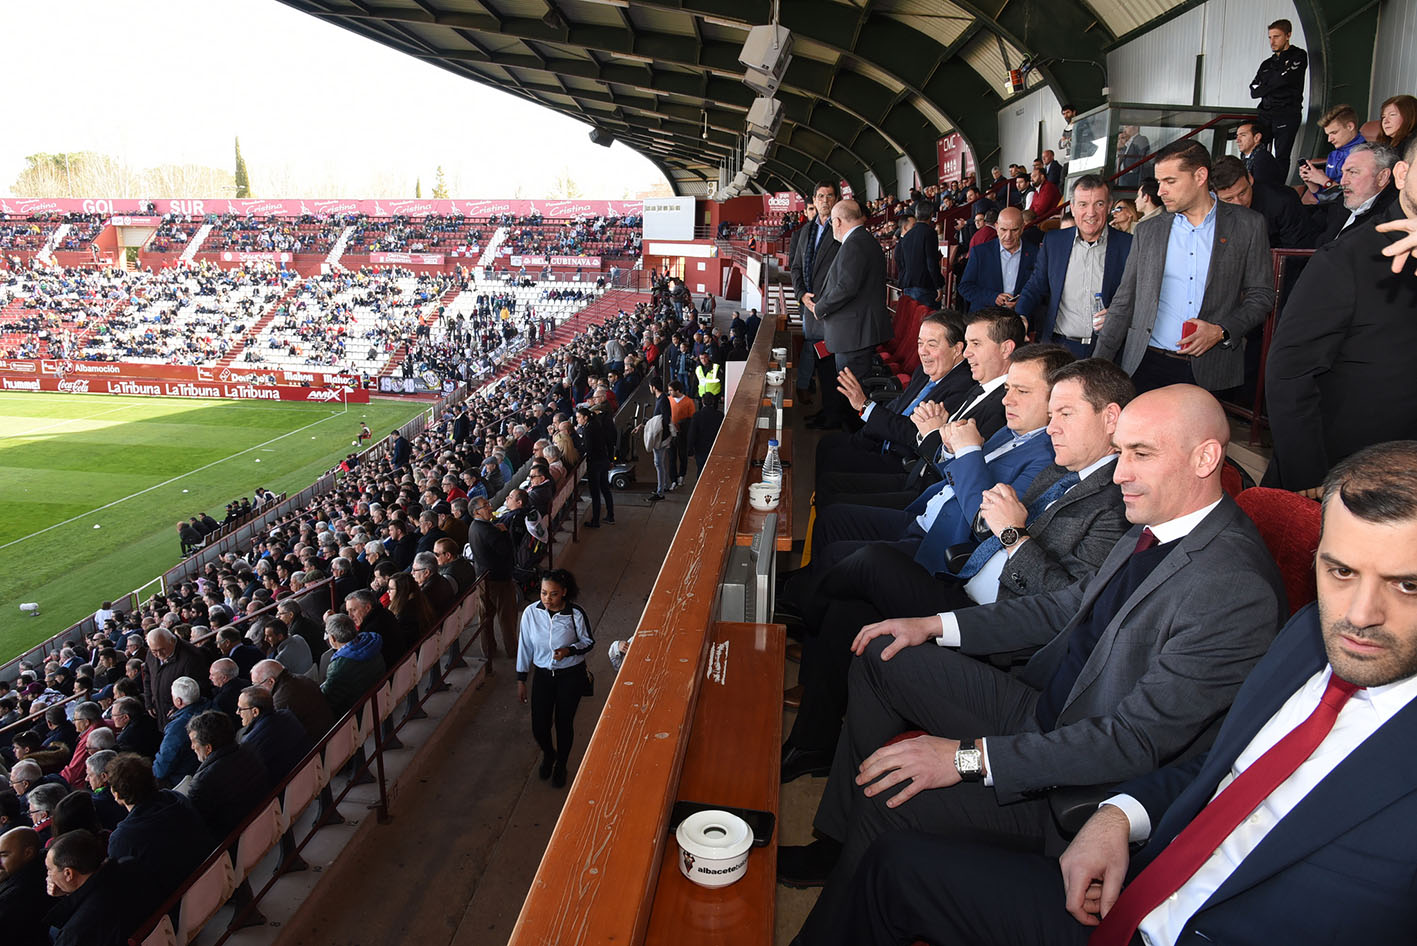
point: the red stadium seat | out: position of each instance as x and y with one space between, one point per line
204 898
1289 525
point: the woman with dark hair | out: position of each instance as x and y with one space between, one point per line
74 812
410 606
555 637
1398 118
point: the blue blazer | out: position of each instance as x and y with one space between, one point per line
971 476
1351 841
1045 286
984 277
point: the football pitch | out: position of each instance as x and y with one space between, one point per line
92 486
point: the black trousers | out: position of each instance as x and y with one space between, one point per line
1158 370
1284 129
839 452
834 404
912 886
598 477
946 694
839 531
681 453
879 580
554 698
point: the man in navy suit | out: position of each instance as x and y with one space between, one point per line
1076 268
998 270
1299 825
943 516
889 435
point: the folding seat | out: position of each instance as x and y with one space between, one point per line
260 836
341 745
204 898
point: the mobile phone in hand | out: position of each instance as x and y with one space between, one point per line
1187 330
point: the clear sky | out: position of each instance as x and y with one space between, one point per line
174 81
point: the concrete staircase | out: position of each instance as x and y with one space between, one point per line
46 252
337 250
195 244
260 326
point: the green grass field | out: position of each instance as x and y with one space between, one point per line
91 487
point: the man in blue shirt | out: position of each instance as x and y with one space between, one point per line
1340 126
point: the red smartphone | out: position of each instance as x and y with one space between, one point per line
1187 330
821 348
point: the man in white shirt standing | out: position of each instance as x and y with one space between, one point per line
1298 825
1134 667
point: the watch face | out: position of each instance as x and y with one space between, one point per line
1008 537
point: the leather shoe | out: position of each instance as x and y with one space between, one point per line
799 762
544 772
821 423
807 865
792 697
794 652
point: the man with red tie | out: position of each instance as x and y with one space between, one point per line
1299 825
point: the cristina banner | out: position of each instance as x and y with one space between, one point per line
198 389
298 207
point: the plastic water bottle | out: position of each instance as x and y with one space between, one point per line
1097 306
772 465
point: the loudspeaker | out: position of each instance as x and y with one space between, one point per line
765 117
766 54
602 137
758 147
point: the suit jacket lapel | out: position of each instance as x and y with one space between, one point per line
1224 227
1084 489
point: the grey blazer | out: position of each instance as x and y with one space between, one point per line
852 305
821 263
1071 538
1239 294
1162 675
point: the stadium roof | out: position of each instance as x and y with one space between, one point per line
869 80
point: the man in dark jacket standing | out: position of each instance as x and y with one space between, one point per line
497 594
169 657
1279 85
852 304
917 258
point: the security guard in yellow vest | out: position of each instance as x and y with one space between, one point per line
709 375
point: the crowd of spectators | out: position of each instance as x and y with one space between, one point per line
578 236
189 708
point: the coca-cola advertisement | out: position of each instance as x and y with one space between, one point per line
238 391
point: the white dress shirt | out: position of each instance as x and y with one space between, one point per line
983 588
989 387
1364 712
1168 531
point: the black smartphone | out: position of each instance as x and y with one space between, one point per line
761 823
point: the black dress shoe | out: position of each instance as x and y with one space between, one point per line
821 423
807 865
558 777
544 772
799 762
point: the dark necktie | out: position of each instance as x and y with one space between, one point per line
968 401
1147 540
1190 849
990 546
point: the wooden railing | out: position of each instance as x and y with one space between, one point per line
598 878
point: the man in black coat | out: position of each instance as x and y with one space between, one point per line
137 731
401 452
300 695
230 781
276 736
100 900
429 531
402 544
163 832
23 900
170 657
369 615
233 644
815 248
889 435
1339 375
1289 226
917 257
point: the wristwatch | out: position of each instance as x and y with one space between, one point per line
1224 337
1011 536
969 761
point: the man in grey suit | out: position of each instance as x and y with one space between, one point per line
813 249
1198 279
852 305
1136 668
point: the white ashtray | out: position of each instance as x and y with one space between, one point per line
779 355
764 496
713 847
776 377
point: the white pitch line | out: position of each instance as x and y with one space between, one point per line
162 484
